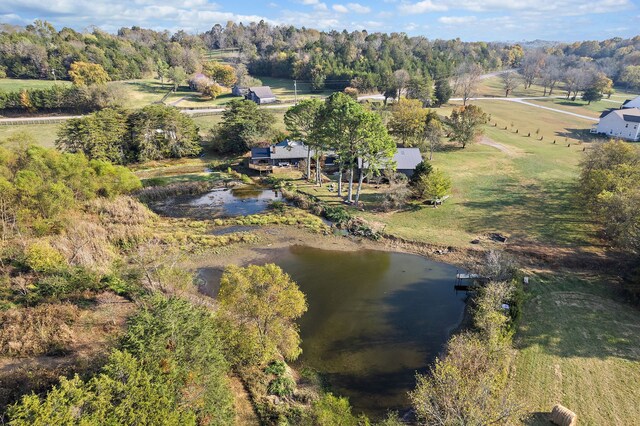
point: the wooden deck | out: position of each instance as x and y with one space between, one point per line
261 167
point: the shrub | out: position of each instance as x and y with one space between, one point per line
281 386
41 330
41 257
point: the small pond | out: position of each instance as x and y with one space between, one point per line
374 319
222 202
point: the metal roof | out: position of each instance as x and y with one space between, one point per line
260 153
404 158
263 92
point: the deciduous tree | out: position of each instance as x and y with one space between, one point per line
466 123
264 303
87 74
407 120
243 126
301 121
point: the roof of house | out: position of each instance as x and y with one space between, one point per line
288 150
607 111
260 153
631 115
404 158
631 103
407 158
262 92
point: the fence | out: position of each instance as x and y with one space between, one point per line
35 121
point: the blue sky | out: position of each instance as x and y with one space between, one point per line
490 20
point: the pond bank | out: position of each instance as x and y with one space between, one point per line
377 315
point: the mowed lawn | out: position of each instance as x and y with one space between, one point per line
15 84
524 188
44 134
578 345
284 89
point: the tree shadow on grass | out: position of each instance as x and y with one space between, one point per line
146 87
547 213
575 318
578 134
538 418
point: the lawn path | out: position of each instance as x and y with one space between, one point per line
586 117
490 142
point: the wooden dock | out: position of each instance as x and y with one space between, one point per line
466 282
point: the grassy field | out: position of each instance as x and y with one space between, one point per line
523 187
44 134
579 346
579 106
539 122
14 84
284 90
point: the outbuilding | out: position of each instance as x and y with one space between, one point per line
260 95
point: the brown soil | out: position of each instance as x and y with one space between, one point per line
95 332
245 414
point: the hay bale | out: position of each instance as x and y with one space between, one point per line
562 416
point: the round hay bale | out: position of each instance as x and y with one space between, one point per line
562 416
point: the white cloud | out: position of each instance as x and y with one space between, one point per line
309 2
421 7
358 8
321 7
340 8
454 20
562 7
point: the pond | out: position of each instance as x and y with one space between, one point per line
374 319
222 202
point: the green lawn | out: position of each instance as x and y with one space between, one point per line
528 119
493 87
284 90
579 106
524 190
44 134
14 84
578 346
207 122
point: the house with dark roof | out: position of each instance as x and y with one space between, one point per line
623 123
284 154
405 160
260 95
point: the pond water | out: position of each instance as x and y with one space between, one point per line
374 319
222 202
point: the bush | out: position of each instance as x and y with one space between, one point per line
281 386
41 257
41 330
181 343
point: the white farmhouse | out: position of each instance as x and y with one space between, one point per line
620 123
632 103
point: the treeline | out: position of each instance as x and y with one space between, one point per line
154 132
39 51
360 59
610 190
584 65
61 98
470 383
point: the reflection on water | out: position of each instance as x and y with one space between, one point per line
374 319
241 201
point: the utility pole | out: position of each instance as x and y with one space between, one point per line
295 92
